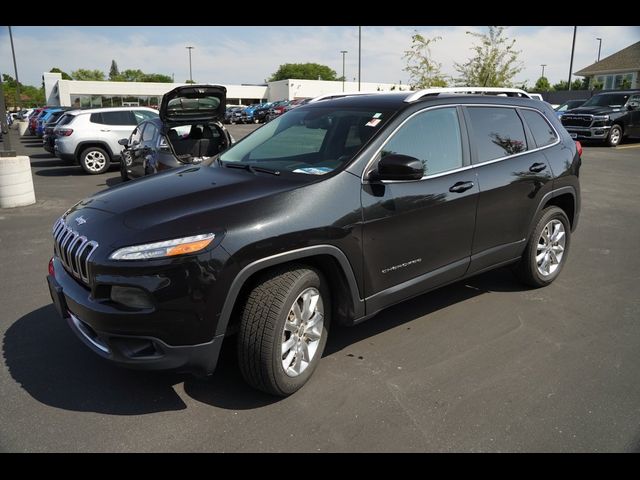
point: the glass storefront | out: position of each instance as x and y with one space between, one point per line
96 101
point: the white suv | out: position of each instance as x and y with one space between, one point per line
90 137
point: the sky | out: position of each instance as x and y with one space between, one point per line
236 55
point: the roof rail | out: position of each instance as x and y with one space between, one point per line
329 96
509 92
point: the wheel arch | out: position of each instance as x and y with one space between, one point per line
93 143
328 259
564 198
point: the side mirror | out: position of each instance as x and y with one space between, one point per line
398 167
123 141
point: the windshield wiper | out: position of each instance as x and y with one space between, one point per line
251 168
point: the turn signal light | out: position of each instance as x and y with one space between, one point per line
52 271
579 147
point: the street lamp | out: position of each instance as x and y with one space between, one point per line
190 73
343 52
599 47
359 54
15 69
543 65
573 49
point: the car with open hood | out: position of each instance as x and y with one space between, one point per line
188 131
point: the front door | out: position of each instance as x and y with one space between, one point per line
136 167
419 233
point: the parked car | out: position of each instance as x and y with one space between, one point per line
298 102
606 117
187 132
260 113
48 137
90 137
48 115
33 118
233 115
568 105
277 109
329 213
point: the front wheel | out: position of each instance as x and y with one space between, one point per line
615 136
284 324
94 160
547 249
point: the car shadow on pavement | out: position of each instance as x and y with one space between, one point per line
46 359
74 170
499 280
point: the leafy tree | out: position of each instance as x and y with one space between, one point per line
30 96
157 77
495 63
626 84
65 75
83 74
189 81
114 73
303 71
542 85
563 85
424 72
596 85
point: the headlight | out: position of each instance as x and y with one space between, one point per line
167 248
601 117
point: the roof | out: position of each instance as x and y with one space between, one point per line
626 59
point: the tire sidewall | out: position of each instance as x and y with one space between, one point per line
611 143
84 154
551 213
285 383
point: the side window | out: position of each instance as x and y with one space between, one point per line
136 135
433 137
142 115
634 98
149 132
496 132
123 117
542 132
96 118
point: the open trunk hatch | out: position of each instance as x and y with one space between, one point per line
197 103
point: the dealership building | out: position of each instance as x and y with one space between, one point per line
89 94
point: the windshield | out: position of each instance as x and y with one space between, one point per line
312 141
607 100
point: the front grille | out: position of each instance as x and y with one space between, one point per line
569 120
73 250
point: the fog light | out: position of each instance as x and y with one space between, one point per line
131 297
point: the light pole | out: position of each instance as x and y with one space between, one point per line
543 65
15 69
190 73
343 52
359 54
599 47
573 48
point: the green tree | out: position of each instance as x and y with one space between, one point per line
495 62
542 85
563 85
83 74
157 77
596 85
303 71
30 96
65 75
424 72
114 73
189 81
626 84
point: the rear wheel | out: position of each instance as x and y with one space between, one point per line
94 160
615 136
284 324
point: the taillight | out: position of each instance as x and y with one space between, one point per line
65 132
52 271
579 147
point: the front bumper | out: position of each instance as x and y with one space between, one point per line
588 133
132 338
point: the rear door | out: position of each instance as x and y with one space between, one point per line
513 175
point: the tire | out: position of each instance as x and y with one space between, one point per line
265 312
541 271
95 160
123 171
615 136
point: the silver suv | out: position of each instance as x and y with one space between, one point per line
90 137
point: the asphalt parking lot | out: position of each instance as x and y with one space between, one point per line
481 365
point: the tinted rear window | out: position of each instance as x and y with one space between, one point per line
542 132
496 132
189 106
125 117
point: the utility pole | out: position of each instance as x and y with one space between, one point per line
190 73
359 55
599 47
343 52
543 65
573 48
15 69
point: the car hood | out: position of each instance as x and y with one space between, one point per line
591 110
181 202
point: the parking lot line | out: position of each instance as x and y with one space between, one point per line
637 145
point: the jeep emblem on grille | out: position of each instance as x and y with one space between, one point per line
80 220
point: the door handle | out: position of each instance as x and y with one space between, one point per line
460 187
105 130
537 167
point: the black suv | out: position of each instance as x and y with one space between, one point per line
330 213
187 132
606 117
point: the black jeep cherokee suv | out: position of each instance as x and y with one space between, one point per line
329 213
606 117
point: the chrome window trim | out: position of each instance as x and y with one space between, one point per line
466 167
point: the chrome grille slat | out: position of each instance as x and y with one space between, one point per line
73 250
